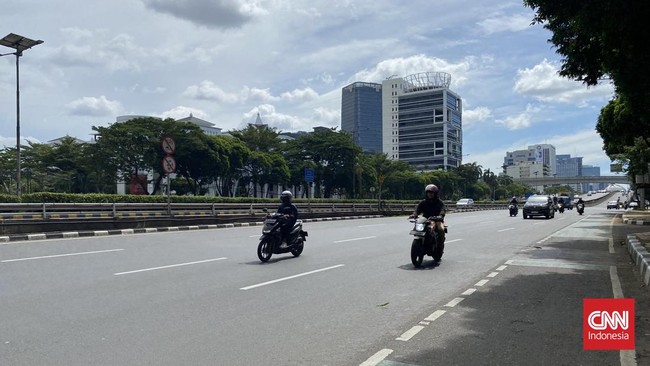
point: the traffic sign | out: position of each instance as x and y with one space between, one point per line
168 145
309 175
169 164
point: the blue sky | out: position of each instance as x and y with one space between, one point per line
226 60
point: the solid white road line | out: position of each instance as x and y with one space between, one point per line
60 255
346 240
375 359
508 229
169 266
290 277
451 241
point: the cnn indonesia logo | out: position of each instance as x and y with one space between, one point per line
608 324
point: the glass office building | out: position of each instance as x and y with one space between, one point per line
361 114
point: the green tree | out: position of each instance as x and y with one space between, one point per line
599 39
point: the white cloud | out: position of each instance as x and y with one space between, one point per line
521 120
476 115
505 23
543 83
207 90
183 111
91 106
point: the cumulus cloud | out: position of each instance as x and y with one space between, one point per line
543 83
403 66
521 120
221 14
273 118
207 90
476 115
183 111
505 23
91 106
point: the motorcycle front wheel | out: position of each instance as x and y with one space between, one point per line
264 251
417 253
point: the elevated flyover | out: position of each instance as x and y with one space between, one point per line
547 180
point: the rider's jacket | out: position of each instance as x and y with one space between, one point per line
291 210
431 207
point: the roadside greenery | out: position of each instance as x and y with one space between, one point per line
239 165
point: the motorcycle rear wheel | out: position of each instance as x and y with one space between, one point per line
417 253
264 251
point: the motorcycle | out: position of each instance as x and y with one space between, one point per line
513 209
581 208
271 239
424 242
560 207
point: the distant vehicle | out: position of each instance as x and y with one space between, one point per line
465 202
538 205
612 205
589 193
568 202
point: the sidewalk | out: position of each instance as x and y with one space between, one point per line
638 244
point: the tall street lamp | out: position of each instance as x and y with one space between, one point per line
19 43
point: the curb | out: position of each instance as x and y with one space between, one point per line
80 234
636 222
640 256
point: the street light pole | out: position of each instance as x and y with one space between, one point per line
19 43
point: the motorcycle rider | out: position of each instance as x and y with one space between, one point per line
430 206
580 202
289 211
514 201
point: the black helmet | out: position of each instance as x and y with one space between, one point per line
286 197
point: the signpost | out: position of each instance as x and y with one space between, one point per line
168 145
309 178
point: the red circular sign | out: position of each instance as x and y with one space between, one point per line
168 145
169 164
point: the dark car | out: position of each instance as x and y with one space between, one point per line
538 205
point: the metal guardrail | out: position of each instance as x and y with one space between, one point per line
90 211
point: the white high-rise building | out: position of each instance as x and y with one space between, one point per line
422 121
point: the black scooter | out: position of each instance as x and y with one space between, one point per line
271 239
424 243
513 209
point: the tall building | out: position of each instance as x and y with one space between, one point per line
361 114
569 167
422 121
545 154
591 171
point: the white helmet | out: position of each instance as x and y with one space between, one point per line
286 196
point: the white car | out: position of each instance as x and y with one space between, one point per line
465 202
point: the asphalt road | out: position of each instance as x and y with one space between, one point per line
352 297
